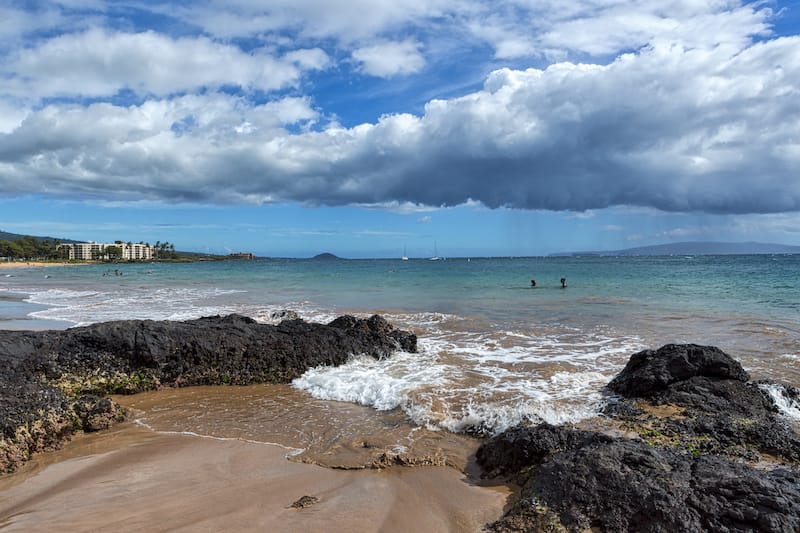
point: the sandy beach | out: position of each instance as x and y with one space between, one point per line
34 264
132 479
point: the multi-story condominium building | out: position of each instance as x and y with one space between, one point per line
137 252
87 251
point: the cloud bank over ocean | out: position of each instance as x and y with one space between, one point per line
687 107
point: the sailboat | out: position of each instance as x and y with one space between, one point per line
435 254
405 257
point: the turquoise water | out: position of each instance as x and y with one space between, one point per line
493 349
765 285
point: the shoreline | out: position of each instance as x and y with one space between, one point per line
124 475
686 419
716 421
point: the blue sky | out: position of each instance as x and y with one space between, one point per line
288 128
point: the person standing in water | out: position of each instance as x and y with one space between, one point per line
563 283
533 283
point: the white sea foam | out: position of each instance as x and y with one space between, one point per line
494 418
481 381
788 406
383 384
83 307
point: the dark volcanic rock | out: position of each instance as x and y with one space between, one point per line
523 446
46 375
132 355
650 371
33 417
95 413
697 417
590 480
722 412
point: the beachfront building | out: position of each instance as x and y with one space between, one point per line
241 255
89 251
137 252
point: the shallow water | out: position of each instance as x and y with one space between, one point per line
333 434
493 350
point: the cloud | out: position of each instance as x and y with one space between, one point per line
513 28
389 59
380 233
98 63
685 233
346 21
12 113
16 22
404 208
602 28
671 128
608 26
686 106
425 219
780 225
310 59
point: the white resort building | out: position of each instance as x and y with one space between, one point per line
88 251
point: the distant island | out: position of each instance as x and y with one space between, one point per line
696 248
325 257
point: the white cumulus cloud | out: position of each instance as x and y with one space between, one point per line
98 62
389 59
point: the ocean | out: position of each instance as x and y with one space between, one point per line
493 351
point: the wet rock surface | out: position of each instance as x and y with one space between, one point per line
718 410
709 452
650 373
53 382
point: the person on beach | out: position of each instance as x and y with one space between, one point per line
563 283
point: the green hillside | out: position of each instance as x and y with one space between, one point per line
14 237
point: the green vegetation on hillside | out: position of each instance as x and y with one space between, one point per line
31 249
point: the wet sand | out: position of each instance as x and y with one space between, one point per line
132 478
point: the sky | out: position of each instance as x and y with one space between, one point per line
367 128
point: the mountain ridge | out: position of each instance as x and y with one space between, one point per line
695 248
7 236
